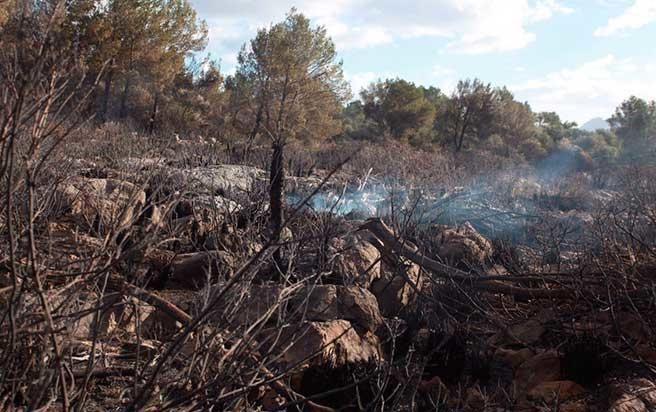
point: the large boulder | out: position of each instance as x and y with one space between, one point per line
463 246
332 302
355 261
104 202
333 343
397 286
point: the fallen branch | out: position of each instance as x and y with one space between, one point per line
392 243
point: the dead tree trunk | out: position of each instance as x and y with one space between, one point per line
153 115
126 89
108 88
123 111
277 184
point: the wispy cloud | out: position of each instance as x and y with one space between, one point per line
592 89
469 26
639 14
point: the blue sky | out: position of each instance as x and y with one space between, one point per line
580 58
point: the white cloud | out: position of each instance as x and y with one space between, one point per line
501 26
471 26
639 14
592 89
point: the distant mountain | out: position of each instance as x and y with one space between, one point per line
595 124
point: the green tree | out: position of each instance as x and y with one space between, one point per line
298 85
514 123
399 107
602 145
634 121
468 114
145 40
554 127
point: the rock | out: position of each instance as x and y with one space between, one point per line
333 344
528 332
628 403
218 179
245 304
66 238
194 270
392 289
355 261
159 260
207 212
87 326
76 315
550 392
638 395
505 362
544 367
463 246
158 325
647 353
214 205
332 302
106 202
474 399
138 164
633 327
513 358
574 406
